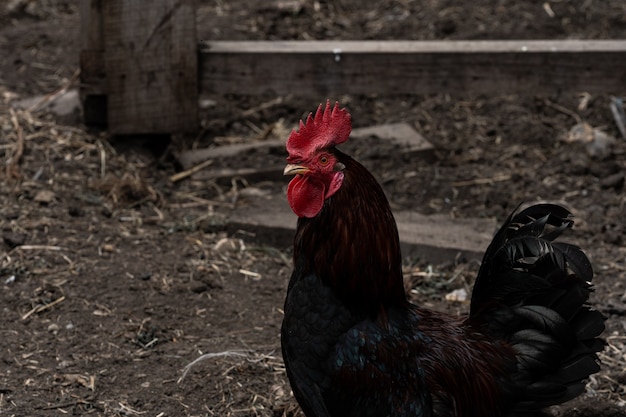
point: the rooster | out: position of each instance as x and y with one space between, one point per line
354 345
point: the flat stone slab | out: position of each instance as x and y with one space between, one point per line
433 238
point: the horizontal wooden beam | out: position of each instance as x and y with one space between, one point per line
321 68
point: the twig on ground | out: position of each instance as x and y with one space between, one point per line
127 410
209 356
40 247
73 403
481 181
103 159
61 90
263 106
198 201
617 109
13 162
564 110
189 172
39 309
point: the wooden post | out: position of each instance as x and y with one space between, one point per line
92 76
151 66
144 56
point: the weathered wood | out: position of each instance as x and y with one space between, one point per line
325 68
142 64
151 66
400 134
91 25
92 74
433 238
195 156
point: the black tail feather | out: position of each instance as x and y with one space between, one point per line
588 324
577 260
532 293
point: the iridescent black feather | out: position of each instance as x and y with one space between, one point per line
532 292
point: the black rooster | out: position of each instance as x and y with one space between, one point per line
354 346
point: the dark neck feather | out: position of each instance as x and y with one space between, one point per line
353 244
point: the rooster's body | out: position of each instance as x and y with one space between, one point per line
354 346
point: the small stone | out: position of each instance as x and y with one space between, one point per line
64 364
13 215
74 211
615 181
44 196
597 143
212 224
601 145
13 240
107 247
613 237
459 295
199 289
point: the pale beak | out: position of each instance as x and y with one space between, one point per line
293 169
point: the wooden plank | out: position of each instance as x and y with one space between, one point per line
195 156
403 135
330 68
433 238
151 66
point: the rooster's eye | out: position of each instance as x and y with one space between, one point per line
324 160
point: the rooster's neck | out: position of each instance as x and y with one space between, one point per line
352 245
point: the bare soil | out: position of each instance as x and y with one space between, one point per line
113 278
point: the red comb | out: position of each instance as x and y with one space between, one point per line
324 129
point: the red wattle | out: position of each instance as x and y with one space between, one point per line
306 195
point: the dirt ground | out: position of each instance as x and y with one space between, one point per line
113 278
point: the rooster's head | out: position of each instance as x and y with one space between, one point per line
318 173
